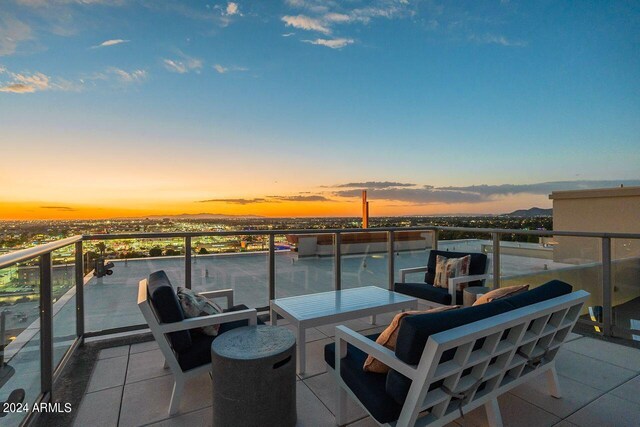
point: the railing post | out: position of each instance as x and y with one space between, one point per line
272 267
46 325
496 260
79 291
607 300
187 262
337 267
391 258
434 244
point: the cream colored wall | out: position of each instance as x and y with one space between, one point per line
615 210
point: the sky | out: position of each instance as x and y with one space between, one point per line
117 108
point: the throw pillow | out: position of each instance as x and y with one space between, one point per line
196 305
501 293
389 337
446 268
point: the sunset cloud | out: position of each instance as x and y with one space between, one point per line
374 184
232 9
236 201
474 193
12 33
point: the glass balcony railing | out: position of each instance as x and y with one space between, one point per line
51 299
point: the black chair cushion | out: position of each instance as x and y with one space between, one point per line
200 351
428 292
552 289
478 264
369 387
415 330
167 307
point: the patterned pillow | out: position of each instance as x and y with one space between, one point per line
389 337
196 305
447 268
501 293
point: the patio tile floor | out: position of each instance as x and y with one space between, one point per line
600 382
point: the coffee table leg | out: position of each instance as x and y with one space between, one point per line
372 319
301 350
274 318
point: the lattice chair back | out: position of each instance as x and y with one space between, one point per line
490 357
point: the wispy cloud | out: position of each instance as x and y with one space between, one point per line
302 198
108 43
184 65
59 208
475 193
12 33
303 22
236 201
497 39
374 184
332 43
222 69
288 34
21 83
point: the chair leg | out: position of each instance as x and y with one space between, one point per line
176 396
493 413
552 383
341 407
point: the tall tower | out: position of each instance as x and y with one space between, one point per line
365 210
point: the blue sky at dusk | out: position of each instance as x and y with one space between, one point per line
291 107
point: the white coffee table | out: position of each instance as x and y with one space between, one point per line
308 311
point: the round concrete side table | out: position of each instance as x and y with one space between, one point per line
471 294
254 377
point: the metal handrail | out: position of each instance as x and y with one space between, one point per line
166 235
30 253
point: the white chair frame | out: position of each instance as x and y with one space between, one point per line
453 282
160 331
535 332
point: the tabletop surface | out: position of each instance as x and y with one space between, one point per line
328 303
253 342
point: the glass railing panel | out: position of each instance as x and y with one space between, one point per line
232 262
111 300
64 301
304 264
625 296
574 260
20 334
364 260
412 250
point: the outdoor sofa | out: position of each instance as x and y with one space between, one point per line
452 362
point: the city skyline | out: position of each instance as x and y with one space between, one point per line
122 108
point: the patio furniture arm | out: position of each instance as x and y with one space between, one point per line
345 335
405 271
222 293
213 319
455 281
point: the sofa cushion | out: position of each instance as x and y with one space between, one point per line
478 264
416 330
369 387
500 293
200 351
389 336
427 292
552 289
167 307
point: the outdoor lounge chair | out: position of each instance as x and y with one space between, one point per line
452 362
441 296
187 353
